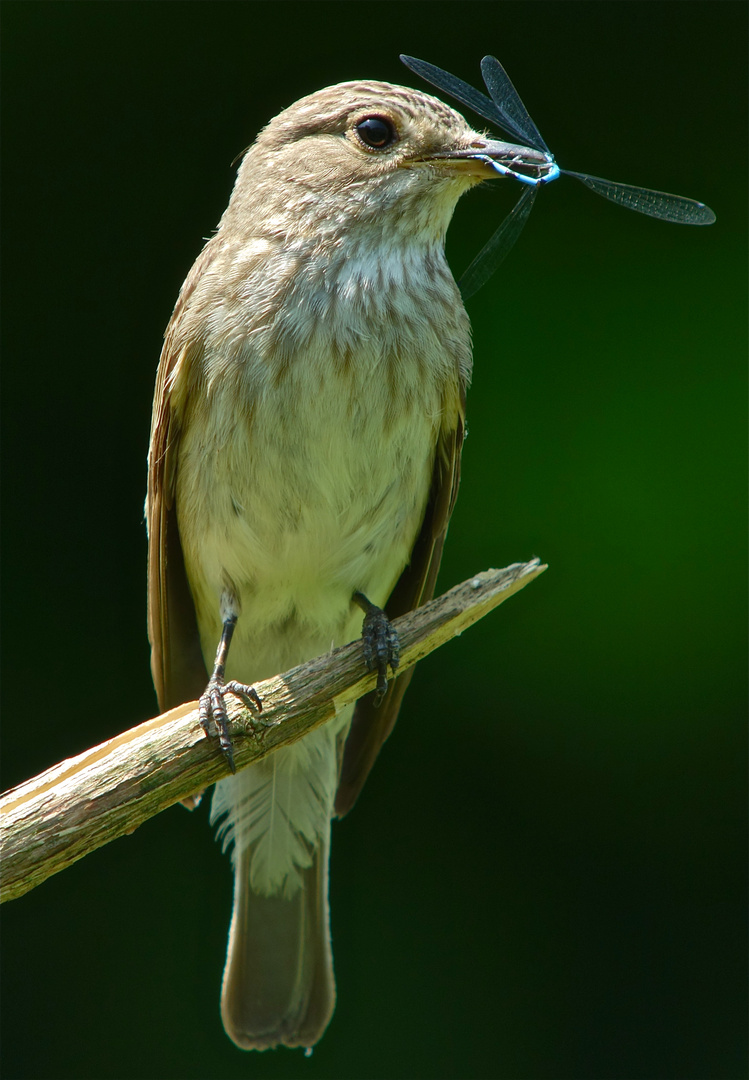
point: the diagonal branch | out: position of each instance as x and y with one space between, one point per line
84 802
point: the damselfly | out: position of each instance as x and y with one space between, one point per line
506 110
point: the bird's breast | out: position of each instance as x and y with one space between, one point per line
305 464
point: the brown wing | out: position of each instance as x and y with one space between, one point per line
371 725
177 665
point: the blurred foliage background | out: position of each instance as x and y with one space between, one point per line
545 874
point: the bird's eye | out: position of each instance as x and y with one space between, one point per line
376 132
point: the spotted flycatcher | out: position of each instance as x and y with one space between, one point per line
304 462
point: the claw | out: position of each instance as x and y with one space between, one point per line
247 694
380 642
212 706
212 711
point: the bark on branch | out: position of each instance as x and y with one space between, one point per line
84 802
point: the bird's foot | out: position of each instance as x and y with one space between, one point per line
381 644
212 710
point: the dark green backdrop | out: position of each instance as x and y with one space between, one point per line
544 876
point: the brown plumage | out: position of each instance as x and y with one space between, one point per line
307 429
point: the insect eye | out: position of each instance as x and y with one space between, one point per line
376 132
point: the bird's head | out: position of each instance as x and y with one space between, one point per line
367 154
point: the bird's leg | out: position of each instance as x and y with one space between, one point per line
380 640
212 705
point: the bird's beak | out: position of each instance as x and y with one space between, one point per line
487 159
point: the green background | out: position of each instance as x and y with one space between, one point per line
545 874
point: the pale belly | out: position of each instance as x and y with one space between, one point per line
297 486
294 513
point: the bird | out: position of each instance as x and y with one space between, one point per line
303 465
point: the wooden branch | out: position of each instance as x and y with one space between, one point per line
84 802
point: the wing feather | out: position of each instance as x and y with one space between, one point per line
179 672
372 724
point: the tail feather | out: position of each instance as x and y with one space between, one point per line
278 986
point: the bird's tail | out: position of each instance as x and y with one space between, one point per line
278 986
